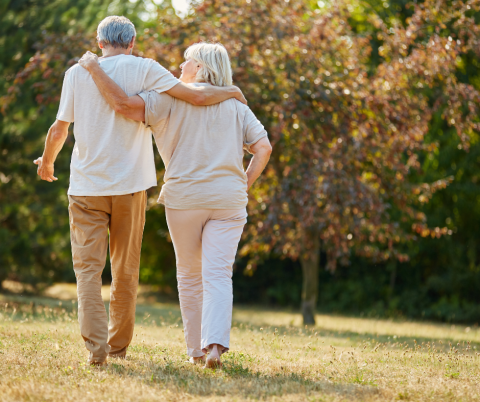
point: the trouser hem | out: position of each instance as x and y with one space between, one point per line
122 355
195 353
224 349
96 361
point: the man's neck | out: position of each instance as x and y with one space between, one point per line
111 51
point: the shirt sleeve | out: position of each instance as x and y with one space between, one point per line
253 130
65 110
159 79
157 107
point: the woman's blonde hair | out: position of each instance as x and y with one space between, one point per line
215 64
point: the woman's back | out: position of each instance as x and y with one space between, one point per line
202 149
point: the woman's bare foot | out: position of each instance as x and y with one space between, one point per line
213 358
197 360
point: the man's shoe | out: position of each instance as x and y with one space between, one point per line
118 356
93 362
97 364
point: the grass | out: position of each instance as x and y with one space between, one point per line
272 357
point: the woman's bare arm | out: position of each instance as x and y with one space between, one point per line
261 151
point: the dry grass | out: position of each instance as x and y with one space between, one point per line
42 358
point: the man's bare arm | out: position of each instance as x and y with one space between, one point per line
133 107
261 151
206 94
57 134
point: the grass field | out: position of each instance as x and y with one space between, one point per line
272 357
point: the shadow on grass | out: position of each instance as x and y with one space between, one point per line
373 339
19 308
234 380
442 343
24 308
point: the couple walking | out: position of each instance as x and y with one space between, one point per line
201 128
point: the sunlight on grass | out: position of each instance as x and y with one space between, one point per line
272 357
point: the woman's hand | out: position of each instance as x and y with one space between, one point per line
261 151
88 60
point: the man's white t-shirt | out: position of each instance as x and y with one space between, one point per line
113 155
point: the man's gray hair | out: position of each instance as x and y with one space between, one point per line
116 31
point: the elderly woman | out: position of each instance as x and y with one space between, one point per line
205 190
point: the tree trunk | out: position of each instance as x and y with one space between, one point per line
310 261
393 276
3 276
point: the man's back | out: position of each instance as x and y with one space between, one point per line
113 155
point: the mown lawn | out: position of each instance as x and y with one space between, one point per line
272 357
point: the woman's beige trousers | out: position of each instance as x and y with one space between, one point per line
205 244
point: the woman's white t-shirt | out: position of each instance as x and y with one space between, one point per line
202 148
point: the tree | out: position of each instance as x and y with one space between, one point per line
35 40
347 132
346 138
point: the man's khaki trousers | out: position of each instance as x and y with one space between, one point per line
92 220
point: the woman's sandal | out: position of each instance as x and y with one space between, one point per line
197 361
213 362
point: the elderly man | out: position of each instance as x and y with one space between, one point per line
112 167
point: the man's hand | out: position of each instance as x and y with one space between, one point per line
45 171
239 95
88 60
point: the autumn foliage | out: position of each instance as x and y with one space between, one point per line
347 111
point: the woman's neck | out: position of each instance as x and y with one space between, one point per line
186 80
